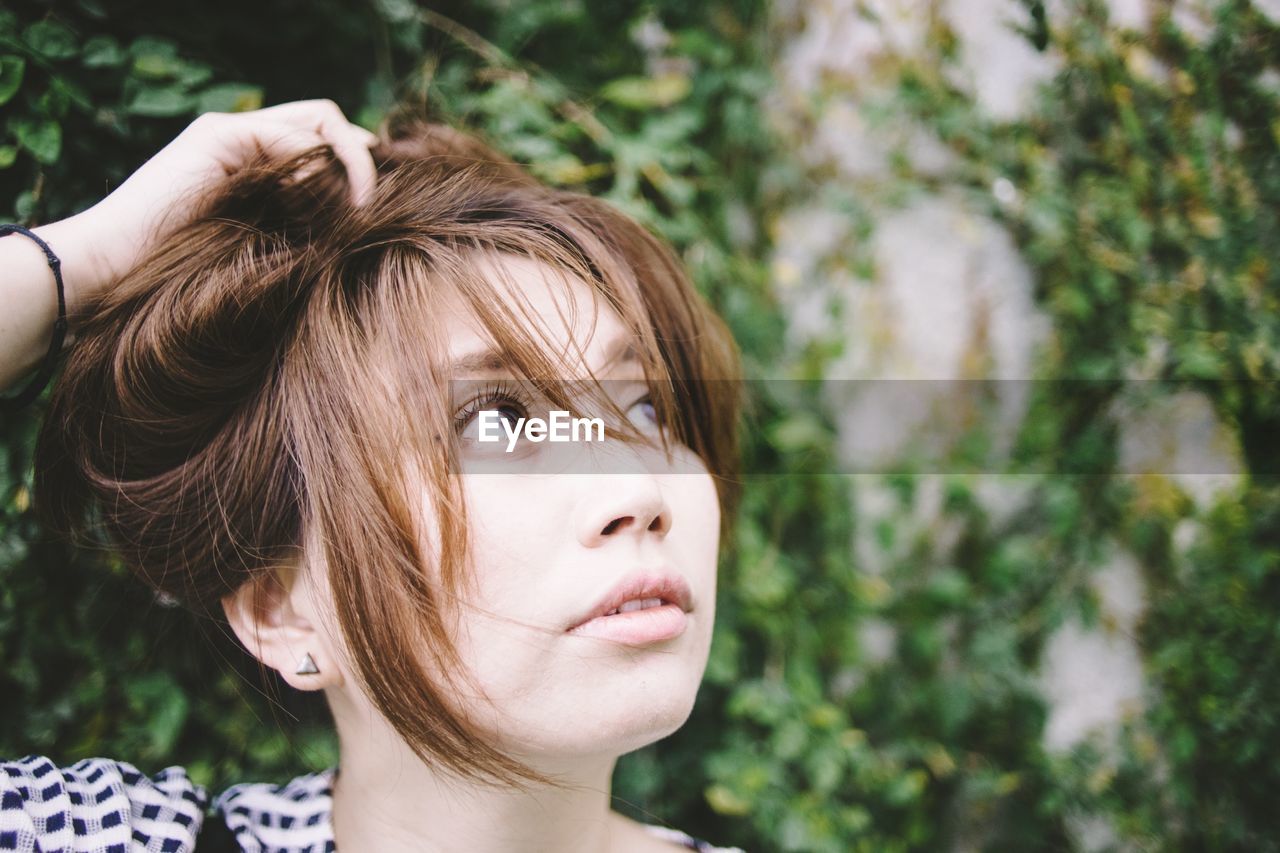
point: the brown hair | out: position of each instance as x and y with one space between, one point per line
268 367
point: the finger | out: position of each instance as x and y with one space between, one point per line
276 138
292 111
313 114
353 151
284 139
350 142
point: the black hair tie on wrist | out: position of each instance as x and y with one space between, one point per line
59 327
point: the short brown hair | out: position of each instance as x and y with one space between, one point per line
264 370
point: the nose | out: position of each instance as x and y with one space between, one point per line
624 505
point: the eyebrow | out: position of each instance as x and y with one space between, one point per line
621 351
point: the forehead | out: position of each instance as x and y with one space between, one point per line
573 321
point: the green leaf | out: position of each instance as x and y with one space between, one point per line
397 11
8 153
102 52
702 45
93 9
11 70
905 788
166 706
167 720
194 74
638 93
50 39
724 800
71 92
160 103
229 98
949 588
43 138
798 432
144 45
25 205
158 66
52 102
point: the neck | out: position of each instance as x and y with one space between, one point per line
386 799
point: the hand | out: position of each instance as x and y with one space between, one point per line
100 244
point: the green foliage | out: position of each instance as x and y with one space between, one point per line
1147 209
1146 202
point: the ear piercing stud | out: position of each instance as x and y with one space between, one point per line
308 666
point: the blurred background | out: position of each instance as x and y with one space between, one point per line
1057 629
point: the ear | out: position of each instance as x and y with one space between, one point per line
275 617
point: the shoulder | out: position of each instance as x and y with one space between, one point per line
290 817
44 806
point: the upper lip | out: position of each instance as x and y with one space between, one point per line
640 584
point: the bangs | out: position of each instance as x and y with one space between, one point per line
545 353
686 360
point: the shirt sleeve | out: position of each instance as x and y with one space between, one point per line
97 806
677 836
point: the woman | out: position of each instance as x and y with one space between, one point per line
277 417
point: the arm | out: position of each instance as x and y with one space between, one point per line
100 244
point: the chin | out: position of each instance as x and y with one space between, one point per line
610 739
655 715
613 717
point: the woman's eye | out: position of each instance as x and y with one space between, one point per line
508 416
643 413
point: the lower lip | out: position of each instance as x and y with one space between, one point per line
636 627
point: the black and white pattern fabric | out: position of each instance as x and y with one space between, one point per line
97 806
293 817
104 806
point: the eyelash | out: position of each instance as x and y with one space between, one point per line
496 392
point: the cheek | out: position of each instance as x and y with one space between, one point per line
501 504
504 509
704 506
504 515
691 491
518 522
695 530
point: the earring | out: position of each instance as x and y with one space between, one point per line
308 666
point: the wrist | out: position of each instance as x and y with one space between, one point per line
85 269
34 325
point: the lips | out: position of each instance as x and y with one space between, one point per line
643 609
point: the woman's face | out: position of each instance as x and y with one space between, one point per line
547 547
